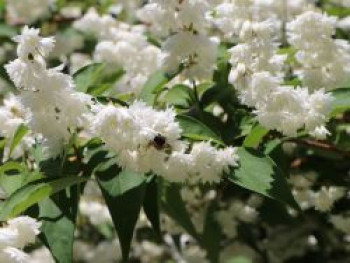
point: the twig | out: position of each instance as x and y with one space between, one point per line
321 145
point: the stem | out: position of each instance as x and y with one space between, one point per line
321 145
196 95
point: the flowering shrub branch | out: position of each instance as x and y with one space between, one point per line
193 130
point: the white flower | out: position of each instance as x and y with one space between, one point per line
13 114
311 34
13 255
209 164
144 135
14 236
341 222
148 140
326 197
24 74
8 237
162 21
311 28
41 255
129 50
97 212
55 109
320 133
197 54
175 16
27 11
31 44
27 229
229 17
94 24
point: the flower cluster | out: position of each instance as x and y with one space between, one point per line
146 140
258 70
253 72
122 45
311 33
322 200
18 11
12 115
55 110
14 236
184 23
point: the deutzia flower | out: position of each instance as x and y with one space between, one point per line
128 48
177 15
97 212
93 24
55 109
188 44
145 136
197 54
12 115
147 140
31 44
326 197
27 11
208 163
341 222
27 229
14 236
8 237
311 34
13 255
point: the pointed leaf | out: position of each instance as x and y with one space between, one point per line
21 131
58 216
195 130
154 84
14 175
151 204
174 206
341 102
95 78
255 137
260 174
211 236
35 192
124 192
180 95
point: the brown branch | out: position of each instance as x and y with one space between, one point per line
321 145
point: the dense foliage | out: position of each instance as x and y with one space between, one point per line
174 131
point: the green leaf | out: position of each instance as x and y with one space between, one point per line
211 237
260 174
255 137
2 148
21 131
86 76
14 175
338 11
341 102
180 95
174 206
151 204
58 216
239 259
96 78
153 86
35 192
124 192
223 66
195 130
7 31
